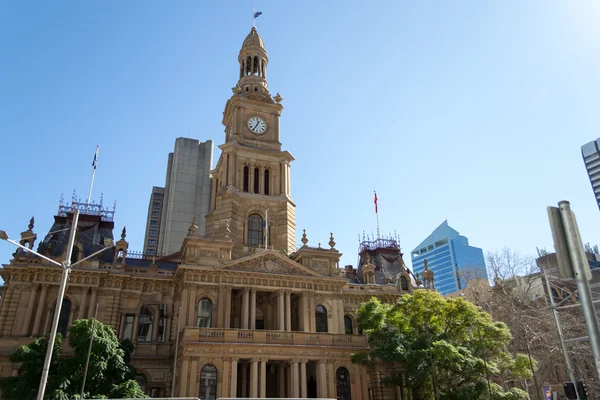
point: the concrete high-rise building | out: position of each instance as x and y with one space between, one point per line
186 196
153 220
448 254
591 157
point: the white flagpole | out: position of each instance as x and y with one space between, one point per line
254 17
266 228
377 214
87 204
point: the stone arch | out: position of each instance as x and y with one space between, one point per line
353 320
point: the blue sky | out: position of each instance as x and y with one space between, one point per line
471 111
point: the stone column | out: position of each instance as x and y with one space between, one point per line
322 379
281 380
155 317
83 298
303 387
92 306
311 314
331 380
304 312
227 307
288 311
295 382
263 378
5 325
193 385
245 304
29 311
261 181
250 179
183 380
184 306
253 308
122 325
342 326
254 378
191 314
234 368
134 331
281 310
40 311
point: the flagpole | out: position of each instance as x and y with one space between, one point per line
377 215
254 17
92 183
266 228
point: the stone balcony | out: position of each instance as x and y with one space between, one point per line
262 337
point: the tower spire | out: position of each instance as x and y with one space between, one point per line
253 61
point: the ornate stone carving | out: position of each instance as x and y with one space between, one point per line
268 264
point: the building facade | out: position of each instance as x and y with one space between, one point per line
254 316
591 157
450 257
153 220
186 195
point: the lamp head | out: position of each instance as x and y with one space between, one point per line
3 235
108 243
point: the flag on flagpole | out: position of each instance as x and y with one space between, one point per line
95 162
375 201
257 14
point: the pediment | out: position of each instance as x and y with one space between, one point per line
269 262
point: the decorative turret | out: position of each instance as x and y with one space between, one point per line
253 61
28 237
121 248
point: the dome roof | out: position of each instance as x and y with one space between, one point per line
253 40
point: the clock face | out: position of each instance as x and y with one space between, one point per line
257 125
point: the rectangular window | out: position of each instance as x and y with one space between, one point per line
151 241
152 222
156 205
155 213
153 232
128 331
150 251
160 337
157 195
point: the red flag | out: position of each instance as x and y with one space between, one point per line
375 201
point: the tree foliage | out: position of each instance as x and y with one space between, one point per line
109 374
447 343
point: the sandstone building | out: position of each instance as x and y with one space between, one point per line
255 315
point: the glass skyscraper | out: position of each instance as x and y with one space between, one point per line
591 157
448 254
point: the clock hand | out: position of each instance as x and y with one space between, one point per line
255 125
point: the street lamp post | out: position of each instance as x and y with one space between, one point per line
66 266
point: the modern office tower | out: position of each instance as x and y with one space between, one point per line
450 257
591 157
186 196
153 221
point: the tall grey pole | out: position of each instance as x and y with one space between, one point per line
579 263
560 334
175 356
87 361
66 264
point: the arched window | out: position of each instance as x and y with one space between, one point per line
246 177
255 230
146 322
342 384
266 181
260 319
204 313
404 283
321 318
208 383
256 177
63 320
348 325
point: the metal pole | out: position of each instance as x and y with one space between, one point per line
87 362
66 263
579 263
175 356
560 334
87 204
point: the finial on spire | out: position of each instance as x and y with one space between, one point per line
331 241
124 233
304 239
31 222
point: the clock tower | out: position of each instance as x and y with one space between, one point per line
253 173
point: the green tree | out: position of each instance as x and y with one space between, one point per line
109 374
448 346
